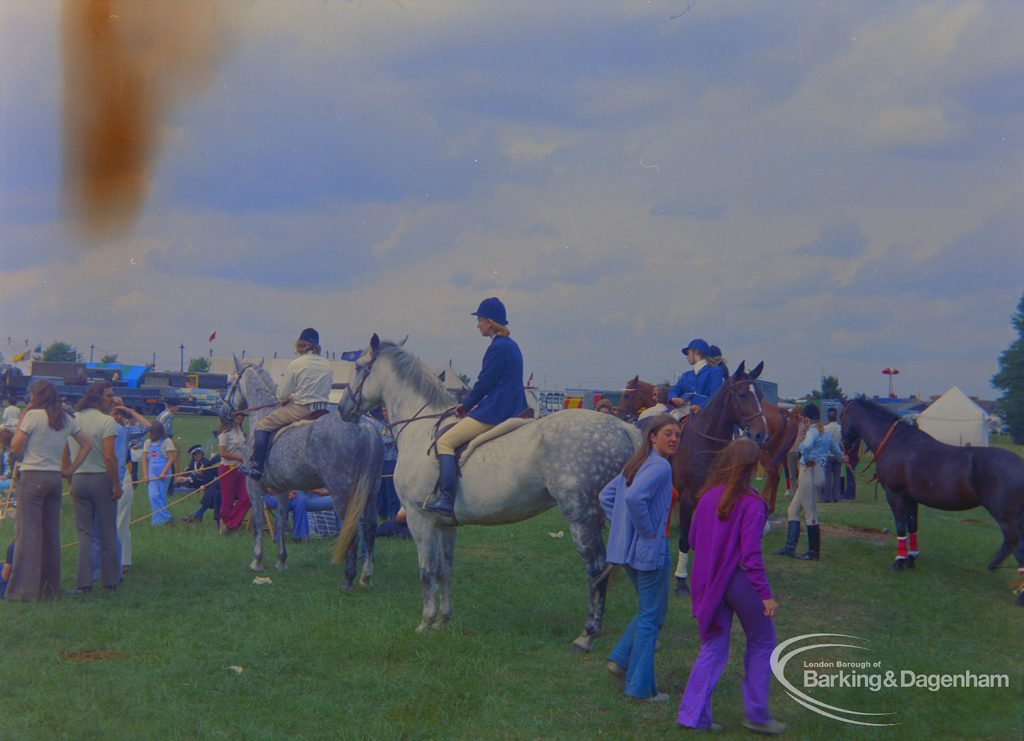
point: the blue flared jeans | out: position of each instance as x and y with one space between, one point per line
635 649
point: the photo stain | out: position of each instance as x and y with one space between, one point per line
126 65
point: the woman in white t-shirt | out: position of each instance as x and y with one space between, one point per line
41 439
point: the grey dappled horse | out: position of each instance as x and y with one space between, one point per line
343 457
564 459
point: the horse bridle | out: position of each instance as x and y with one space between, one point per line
744 423
357 395
231 393
357 400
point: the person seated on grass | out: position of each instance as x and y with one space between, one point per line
201 473
297 506
396 527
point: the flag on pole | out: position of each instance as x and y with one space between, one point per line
529 381
352 355
213 336
19 357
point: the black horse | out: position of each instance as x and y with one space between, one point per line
736 405
915 468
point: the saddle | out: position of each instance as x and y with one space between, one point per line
463 451
313 417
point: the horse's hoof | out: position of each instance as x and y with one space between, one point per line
583 644
281 566
256 566
422 627
365 582
898 564
347 587
682 590
910 561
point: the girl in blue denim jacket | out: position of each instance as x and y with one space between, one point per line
637 502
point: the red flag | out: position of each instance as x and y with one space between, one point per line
213 336
529 381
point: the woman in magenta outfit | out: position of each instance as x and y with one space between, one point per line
728 577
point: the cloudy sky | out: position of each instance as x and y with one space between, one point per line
824 186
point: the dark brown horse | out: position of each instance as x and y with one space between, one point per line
782 428
736 405
915 468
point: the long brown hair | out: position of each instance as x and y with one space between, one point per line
734 468
43 395
650 428
93 396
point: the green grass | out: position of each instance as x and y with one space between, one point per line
321 663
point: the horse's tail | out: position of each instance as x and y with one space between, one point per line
789 431
366 485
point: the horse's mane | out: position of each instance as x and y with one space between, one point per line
415 374
880 410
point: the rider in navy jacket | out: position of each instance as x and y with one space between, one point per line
496 396
498 393
700 383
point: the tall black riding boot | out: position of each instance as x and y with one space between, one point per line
813 544
447 483
792 538
261 441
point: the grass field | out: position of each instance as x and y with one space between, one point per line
154 660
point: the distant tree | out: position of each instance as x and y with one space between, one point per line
199 365
109 358
1010 379
62 352
830 388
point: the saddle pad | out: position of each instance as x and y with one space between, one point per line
497 431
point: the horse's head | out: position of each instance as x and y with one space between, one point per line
743 403
851 435
234 400
364 392
637 396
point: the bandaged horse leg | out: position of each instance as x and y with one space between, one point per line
585 526
912 551
255 492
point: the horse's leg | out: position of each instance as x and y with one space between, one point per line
686 507
771 482
369 522
351 560
586 530
425 533
256 504
446 559
911 509
897 504
281 518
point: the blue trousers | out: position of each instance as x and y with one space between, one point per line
158 501
635 649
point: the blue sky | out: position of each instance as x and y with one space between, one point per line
822 186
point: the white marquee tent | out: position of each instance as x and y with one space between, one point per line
956 420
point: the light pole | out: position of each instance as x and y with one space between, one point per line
182 348
92 348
